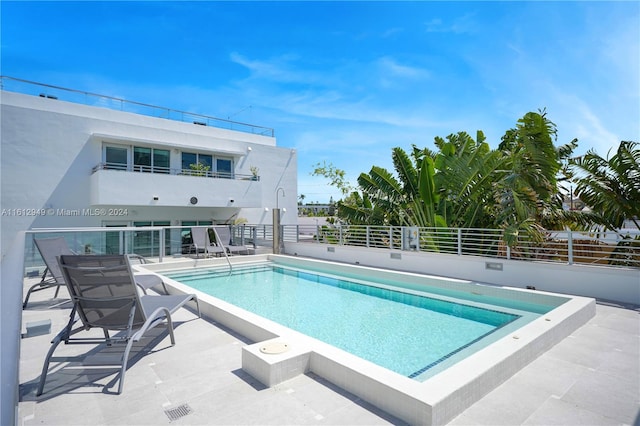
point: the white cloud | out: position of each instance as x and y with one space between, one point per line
339 93
276 69
575 118
460 25
621 51
592 133
391 32
391 66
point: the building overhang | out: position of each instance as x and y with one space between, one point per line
173 144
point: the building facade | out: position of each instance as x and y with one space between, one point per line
67 164
70 159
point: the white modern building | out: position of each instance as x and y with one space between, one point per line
69 164
76 159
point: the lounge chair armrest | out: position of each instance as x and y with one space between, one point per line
153 320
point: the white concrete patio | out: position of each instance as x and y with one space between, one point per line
590 378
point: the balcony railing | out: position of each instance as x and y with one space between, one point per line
609 249
156 242
48 91
620 248
168 171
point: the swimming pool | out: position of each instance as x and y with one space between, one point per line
432 397
409 332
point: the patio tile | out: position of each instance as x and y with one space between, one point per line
590 378
607 395
556 412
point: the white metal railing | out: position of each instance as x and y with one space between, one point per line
160 242
621 248
168 171
157 242
49 91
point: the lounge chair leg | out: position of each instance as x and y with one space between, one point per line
123 368
195 299
26 299
47 360
33 288
170 326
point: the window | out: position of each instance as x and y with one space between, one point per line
116 157
196 164
224 168
150 160
161 160
147 243
115 241
143 159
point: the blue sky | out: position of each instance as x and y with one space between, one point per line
345 82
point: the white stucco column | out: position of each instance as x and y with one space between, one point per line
11 270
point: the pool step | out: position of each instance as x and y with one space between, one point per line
276 360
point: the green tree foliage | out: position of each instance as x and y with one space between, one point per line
335 175
527 195
199 169
611 186
465 172
466 184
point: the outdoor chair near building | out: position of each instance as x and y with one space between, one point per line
105 296
51 248
202 242
145 281
224 233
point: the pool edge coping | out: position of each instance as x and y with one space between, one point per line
436 400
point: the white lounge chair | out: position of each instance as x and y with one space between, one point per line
104 296
224 233
202 242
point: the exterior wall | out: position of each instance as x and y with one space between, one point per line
11 272
606 283
48 150
50 147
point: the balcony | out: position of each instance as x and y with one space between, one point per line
121 185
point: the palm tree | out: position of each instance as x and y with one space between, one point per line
465 184
528 194
611 186
466 170
410 199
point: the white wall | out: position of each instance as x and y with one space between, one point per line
49 148
11 273
601 282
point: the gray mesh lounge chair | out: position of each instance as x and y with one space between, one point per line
146 281
50 249
104 296
202 242
224 233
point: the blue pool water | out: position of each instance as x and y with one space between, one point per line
406 333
